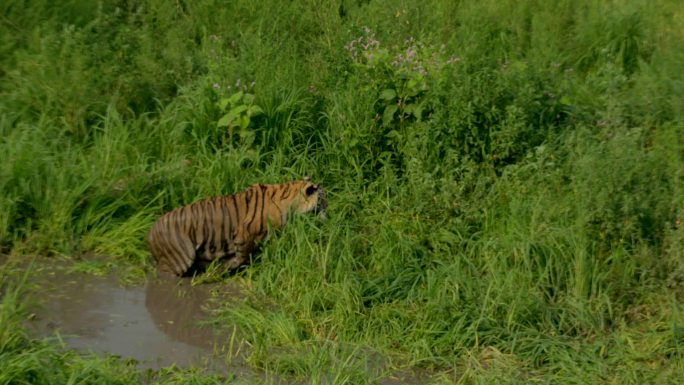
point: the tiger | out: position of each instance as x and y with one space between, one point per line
229 227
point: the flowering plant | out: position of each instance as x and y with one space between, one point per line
238 110
401 76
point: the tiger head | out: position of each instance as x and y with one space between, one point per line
311 198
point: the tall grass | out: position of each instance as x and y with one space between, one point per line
505 178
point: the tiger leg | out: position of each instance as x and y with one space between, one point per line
237 261
243 248
164 270
180 254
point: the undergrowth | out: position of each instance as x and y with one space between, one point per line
505 178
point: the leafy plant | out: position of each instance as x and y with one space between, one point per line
239 110
401 78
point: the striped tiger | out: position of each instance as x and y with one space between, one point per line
228 226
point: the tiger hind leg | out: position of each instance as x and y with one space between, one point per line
180 255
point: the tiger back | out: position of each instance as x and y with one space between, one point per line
228 227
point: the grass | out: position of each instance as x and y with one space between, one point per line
505 178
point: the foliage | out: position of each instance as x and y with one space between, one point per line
401 79
505 177
240 109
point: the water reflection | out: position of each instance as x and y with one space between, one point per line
156 324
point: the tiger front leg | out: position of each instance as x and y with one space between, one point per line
243 248
237 261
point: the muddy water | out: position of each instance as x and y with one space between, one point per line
156 324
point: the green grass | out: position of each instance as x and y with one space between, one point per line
506 178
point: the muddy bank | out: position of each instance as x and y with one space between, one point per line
157 324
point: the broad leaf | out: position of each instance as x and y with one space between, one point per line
223 103
235 98
244 121
388 114
226 120
388 94
248 99
254 110
238 110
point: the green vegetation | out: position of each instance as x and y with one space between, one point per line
506 178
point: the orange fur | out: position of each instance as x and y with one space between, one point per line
228 226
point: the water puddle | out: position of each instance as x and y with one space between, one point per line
156 324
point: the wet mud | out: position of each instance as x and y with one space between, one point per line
158 324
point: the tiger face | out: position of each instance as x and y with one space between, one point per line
311 199
228 227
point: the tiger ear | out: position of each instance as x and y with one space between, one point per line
307 179
311 189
